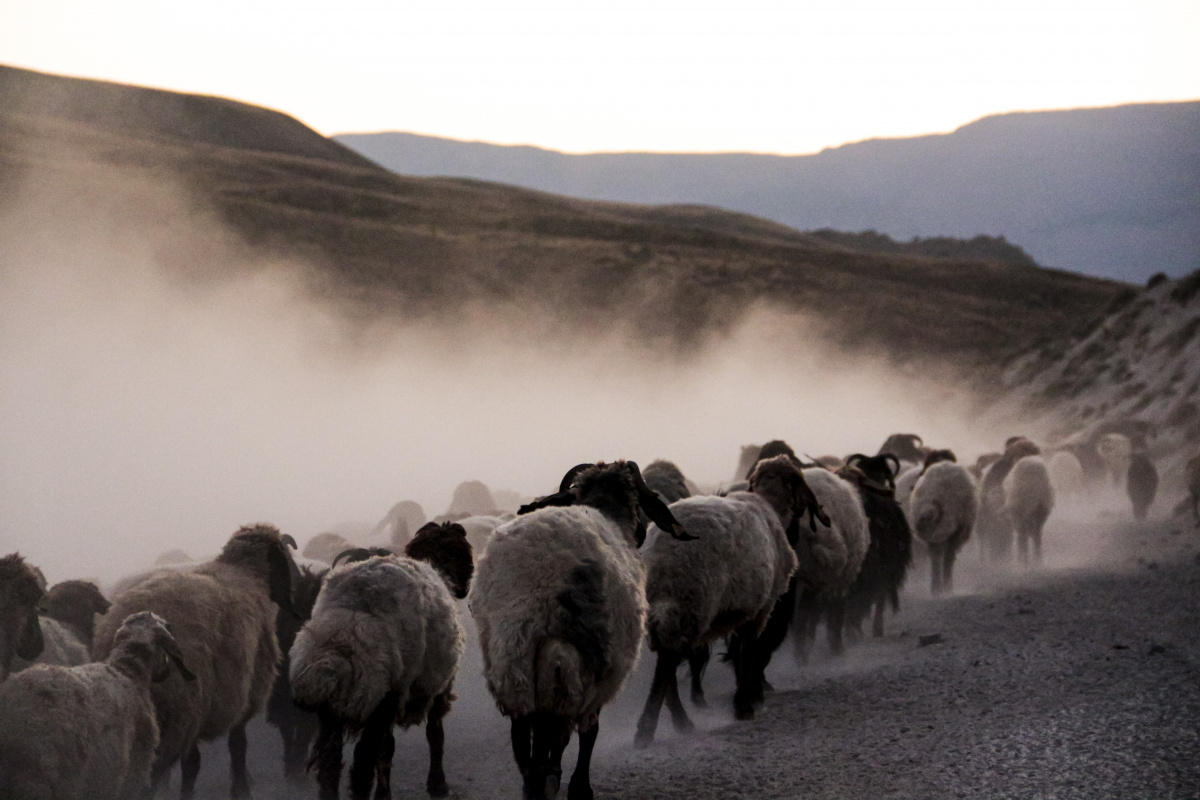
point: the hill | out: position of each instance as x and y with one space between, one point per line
381 243
1112 192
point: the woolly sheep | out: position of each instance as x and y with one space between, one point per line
382 649
1141 483
943 507
889 553
223 616
560 604
1066 474
667 480
20 629
994 524
830 558
296 726
729 581
1030 499
471 499
87 732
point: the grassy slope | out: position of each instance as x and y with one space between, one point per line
389 242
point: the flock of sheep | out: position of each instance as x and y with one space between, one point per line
563 592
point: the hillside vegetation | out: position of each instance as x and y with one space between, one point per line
381 243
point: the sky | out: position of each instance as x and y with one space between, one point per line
652 75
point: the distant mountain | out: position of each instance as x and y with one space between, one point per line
377 243
1113 192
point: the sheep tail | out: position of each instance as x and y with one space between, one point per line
930 518
332 682
671 627
583 617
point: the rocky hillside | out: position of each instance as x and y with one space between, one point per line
1139 361
381 243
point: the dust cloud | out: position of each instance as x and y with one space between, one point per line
162 384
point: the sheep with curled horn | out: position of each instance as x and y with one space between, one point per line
560 603
889 552
382 649
732 581
20 629
88 732
223 616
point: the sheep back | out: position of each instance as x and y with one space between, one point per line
380 625
734 572
224 621
66 733
60 647
565 587
943 502
831 556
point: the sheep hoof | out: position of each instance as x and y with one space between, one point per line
551 792
743 712
579 791
683 725
767 687
698 701
437 788
643 739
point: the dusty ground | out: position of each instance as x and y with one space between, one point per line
1078 680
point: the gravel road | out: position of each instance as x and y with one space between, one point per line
1078 680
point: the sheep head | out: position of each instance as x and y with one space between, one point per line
262 549
147 630
877 473
76 603
781 483
936 456
446 549
20 593
618 491
905 446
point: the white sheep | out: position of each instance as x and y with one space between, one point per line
223 616
382 649
560 603
1066 474
830 558
1030 499
87 732
943 509
729 581
994 524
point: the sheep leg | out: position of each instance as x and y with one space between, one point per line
580 787
877 622
835 621
371 743
697 661
189 768
327 754
521 734
950 551
1023 547
936 556
550 735
746 673
383 765
240 786
801 638
435 735
664 676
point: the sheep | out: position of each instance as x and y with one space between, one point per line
905 446
1141 483
560 604
398 525
667 481
88 732
382 649
471 498
889 553
830 558
1066 474
993 524
983 464
223 615
730 581
1114 450
943 508
325 546
297 727
1030 499
20 629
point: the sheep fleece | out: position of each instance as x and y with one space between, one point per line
380 625
943 501
741 562
836 552
515 603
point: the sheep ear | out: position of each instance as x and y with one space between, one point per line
171 647
280 581
31 643
807 501
655 508
556 499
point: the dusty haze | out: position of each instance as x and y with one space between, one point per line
161 384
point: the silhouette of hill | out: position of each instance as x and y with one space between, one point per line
375 242
1113 192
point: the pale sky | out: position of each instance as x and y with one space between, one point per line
659 75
